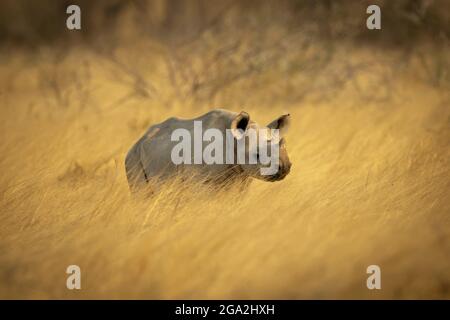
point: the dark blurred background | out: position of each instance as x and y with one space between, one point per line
404 22
213 51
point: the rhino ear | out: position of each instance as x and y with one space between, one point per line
282 124
239 124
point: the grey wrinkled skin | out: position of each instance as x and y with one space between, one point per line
149 160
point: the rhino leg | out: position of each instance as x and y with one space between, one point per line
136 176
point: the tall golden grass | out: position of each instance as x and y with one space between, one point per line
369 183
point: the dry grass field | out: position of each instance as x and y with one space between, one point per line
370 182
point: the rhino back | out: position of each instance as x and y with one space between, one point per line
155 146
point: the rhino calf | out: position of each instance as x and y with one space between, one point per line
159 154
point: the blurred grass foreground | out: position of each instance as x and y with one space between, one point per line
369 145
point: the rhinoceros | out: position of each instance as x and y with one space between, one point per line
159 154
